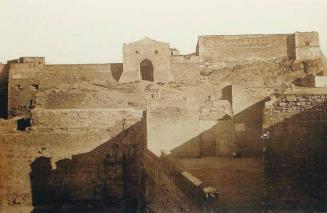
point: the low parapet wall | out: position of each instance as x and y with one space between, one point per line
83 119
80 72
173 127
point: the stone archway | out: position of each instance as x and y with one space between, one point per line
146 70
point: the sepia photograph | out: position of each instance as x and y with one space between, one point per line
163 106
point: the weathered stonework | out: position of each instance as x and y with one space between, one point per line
110 137
157 54
302 46
295 135
307 45
83 165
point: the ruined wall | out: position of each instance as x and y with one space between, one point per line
3 90
3 75
216 128
162 192
307 45
91 95
315 66
248 129
84 72
54 167
81 119
296 134
256 74
21 149
216 138
186 130
245 47
172 128
248 107
26 79
3 102
184 70
157 52
22 87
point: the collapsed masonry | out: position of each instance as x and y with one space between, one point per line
96 133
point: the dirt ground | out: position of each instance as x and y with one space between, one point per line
239 181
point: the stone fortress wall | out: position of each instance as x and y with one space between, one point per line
259 47
295 125
157 53
29 75
81 119
108 137
3 90
51 154
307 45
244 47
26 78
187 130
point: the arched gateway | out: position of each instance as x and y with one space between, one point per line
148 60
146 70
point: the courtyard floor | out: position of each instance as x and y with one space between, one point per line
239 181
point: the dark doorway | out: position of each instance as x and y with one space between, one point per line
146 69
23 123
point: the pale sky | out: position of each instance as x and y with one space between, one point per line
93 31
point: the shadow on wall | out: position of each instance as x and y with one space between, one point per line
3 103
291 46
162 190
216 141
116 70
241 134
248 127
296 162
4 90
110 176
168 188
